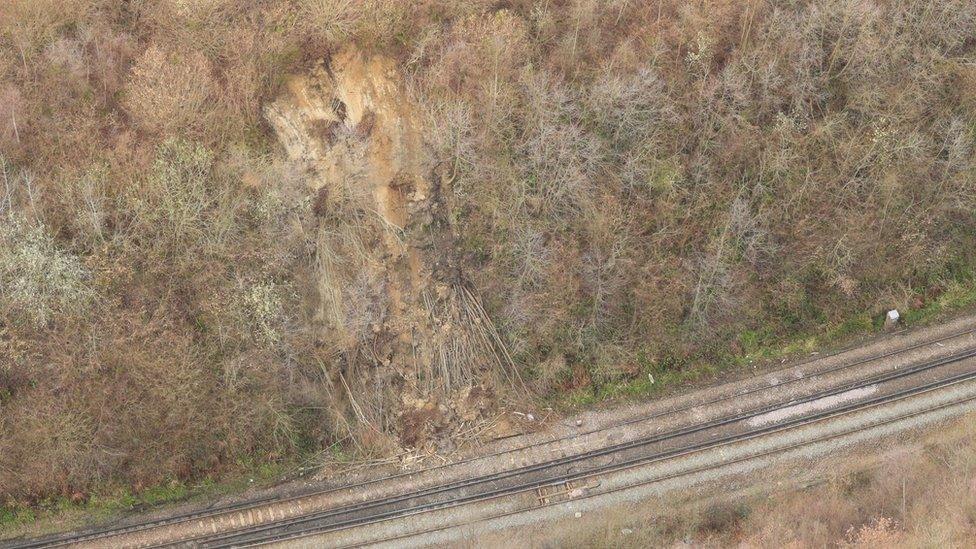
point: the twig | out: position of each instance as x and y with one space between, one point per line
13 117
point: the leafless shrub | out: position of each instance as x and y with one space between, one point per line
11 106
561 156
533 256
635 113
38 280
452 130
67 55
714 295
333 19
170 91
713 289
605 263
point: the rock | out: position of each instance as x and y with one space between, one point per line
579 422
626 531
578 514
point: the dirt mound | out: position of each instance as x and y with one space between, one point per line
390 291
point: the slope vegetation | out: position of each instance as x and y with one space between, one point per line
235 234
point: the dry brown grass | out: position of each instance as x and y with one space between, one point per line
635 185
168 91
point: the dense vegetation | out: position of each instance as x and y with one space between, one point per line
639 185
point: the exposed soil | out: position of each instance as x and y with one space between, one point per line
391 290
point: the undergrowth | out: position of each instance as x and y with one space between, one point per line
754 347
643 193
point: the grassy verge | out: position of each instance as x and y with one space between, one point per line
58 514
757 347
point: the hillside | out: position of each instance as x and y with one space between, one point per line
241 235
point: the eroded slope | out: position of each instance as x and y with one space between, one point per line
391 294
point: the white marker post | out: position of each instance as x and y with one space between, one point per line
892 319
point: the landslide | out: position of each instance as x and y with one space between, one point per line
390 291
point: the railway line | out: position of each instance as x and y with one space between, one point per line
517 481
582 465
425 535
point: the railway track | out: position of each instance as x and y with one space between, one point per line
588 464
563 470
584 497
